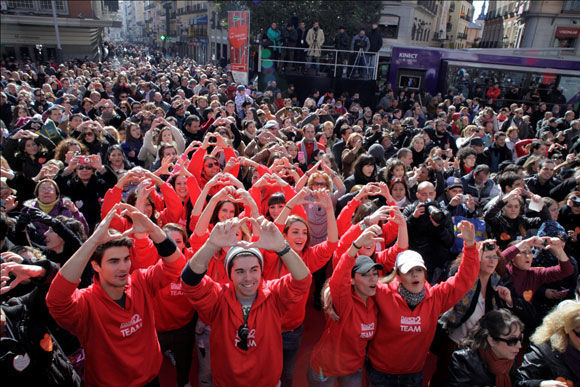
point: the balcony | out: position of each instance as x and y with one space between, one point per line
461 36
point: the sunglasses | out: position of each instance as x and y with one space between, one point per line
576 332
123 96
81 167
489 246
512 341
243 331
211 165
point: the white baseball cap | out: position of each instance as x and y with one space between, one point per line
409 259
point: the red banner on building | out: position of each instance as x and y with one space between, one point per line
238 33
567 32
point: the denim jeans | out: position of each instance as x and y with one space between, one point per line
317 380
377 378
290 344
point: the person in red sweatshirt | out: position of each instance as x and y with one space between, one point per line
340 353
408 309
299 235
113 318
245 315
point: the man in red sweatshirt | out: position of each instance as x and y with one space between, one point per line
245 315
113 318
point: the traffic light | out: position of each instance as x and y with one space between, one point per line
165 37
162 37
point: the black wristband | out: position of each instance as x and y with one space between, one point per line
189 277
166 247
355 246
285 250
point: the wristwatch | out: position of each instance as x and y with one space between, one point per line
285 250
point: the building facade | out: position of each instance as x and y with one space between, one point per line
28 30
503 26
459 18
413 23
554 23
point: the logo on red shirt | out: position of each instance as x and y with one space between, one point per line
176 289
132 326
251 338
410 324
367 331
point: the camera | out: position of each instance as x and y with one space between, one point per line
434 211
87 160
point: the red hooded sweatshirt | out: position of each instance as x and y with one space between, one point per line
120 343
403 336
261 364
342 347
314 257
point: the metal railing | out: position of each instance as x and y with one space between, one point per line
330 59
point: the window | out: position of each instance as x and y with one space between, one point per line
38 6
20 4
390 27
46 5
571 6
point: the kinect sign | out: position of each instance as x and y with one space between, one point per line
408 57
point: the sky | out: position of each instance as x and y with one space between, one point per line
477 4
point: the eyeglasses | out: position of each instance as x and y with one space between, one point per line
123 96
211 165
87 167
512 341
319 184
489 246
243 331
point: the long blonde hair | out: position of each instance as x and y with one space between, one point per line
557 325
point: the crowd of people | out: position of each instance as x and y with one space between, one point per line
154 207
298 48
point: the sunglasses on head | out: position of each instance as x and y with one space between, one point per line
87 167
243 332
488 246
511 341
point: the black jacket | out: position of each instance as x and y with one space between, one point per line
87 198
433 243
544 190
468 368
543 363
376 40
29 335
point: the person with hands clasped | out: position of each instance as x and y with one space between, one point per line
408 308
527 279
352 313
297 232
245 315
505 219
386 257
113 318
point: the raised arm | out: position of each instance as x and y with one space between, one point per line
205 217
